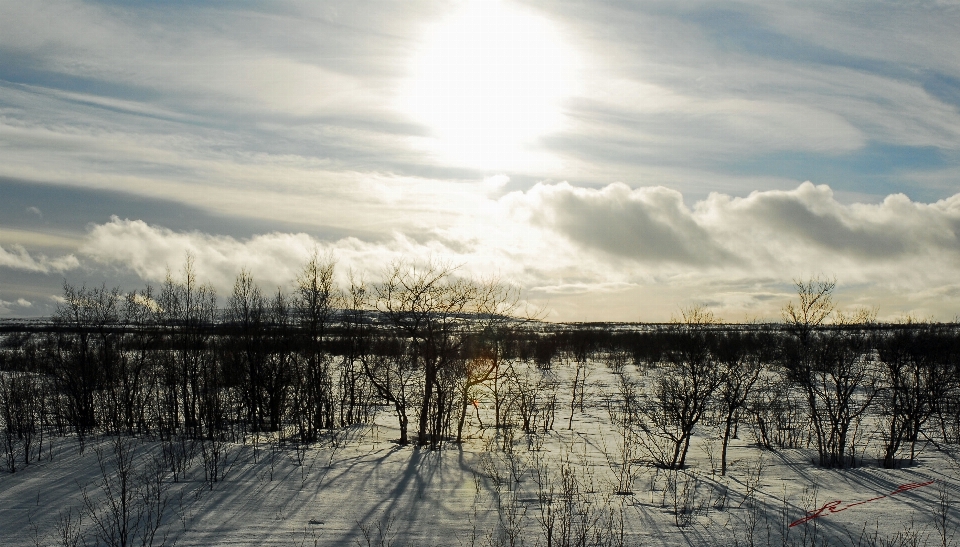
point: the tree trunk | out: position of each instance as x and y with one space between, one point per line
723 448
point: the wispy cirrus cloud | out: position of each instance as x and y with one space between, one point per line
248 135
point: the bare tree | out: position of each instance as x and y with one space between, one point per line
916 367
248 315
355 324
832 367
686 383
133 498
132 388
432 310
393 377
778 410
317 298
278 367
813 307
188 309
738 355
624 414
86 351
427 306
21 402
484 366
581 345
844 384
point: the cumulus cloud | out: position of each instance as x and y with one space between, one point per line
742 252
772 229
20 305
274 259
810 219
153 252
561 242
645 224
18 258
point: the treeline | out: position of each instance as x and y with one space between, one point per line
171 362
175 364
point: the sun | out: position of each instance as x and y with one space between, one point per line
488 81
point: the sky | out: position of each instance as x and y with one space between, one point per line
615 161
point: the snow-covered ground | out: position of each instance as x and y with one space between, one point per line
495 488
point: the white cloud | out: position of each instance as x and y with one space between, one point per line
810 220
736 252
646 224
660 121
284 114
771 229
274 259
19 306
298 60
710 85
153 251
562 243
18 258
226 108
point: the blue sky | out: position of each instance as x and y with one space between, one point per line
615 160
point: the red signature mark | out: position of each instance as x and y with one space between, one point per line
834 506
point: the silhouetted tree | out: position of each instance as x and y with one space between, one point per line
188 311
315 302
916 367
432 310
86 351
739 357
248 315
684 386
830 365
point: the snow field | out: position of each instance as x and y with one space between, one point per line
359 487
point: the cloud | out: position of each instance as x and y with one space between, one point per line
214 59
36 211
153 251
646 224
299 99
274 259
18 258
562 243
729 89
19 306
810 219
651 225
739 249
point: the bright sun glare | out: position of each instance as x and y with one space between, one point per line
488 82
